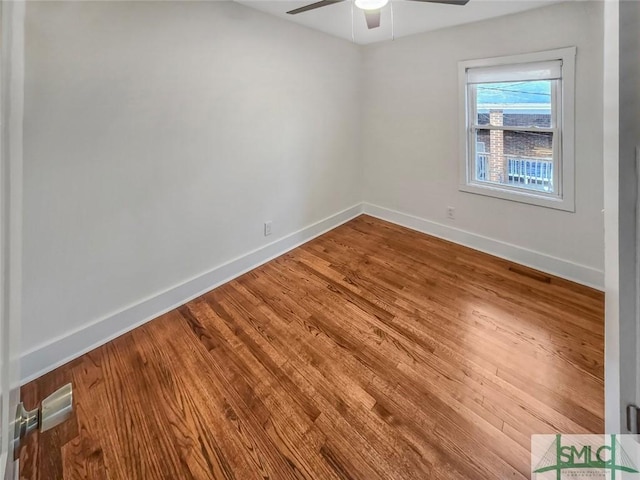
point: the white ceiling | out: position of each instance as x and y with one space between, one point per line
409 17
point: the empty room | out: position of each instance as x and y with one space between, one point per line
342 239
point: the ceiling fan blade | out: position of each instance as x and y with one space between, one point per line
448 2
313 6
373 18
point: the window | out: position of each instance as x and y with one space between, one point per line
517 140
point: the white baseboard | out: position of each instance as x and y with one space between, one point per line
556 266
46 357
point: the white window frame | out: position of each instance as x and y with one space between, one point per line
562 126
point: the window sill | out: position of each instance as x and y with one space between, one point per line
557 203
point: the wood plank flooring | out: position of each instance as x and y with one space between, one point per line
371 352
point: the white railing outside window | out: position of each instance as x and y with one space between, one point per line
531 172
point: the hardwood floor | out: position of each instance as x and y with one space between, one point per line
372 352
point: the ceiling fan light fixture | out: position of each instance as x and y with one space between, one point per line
370 4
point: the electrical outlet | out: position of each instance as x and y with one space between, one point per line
451 212
267 229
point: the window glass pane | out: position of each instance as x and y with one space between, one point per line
516 159
514 104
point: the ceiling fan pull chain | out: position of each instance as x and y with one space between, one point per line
393 36
353 35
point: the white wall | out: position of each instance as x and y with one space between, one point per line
159 136
411 134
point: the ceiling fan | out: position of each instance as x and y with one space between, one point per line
371 8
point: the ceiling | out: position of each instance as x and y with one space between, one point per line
409 17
